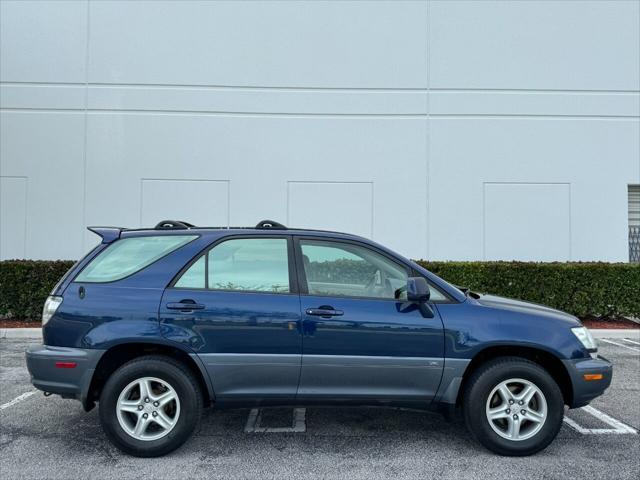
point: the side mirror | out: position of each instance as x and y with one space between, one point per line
417 290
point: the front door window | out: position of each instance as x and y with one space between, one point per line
346 270
349 270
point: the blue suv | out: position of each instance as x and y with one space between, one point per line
155 324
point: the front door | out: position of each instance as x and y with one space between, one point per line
237 307
362 340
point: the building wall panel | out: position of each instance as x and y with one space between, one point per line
527 221
395 115
344 206
43 41
560 45
47 149
199 202
13 211
271 44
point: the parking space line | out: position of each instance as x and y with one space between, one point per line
618 426
610 420
298 423
620 344
589 431
18 399
628 340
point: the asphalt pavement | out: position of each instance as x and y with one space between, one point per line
48 437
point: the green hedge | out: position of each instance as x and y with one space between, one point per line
347 270
25 284
583 289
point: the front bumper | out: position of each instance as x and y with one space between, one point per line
67 382
583 390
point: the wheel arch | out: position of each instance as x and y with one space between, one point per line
119 354
547 360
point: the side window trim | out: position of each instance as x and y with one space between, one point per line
300 275
302 279
293 278
206 269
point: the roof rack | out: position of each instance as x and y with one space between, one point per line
173 225
182 225
109 234
270 225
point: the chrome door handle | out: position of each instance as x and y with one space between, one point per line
185 305
324 312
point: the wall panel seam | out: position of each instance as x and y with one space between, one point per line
319 115
311 115
86 123
428 133
311 89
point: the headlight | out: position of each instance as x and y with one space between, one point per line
584 335
51 304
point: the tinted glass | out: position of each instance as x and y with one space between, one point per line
194 276
130 255
253 265
340 269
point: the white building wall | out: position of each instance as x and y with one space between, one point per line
454 130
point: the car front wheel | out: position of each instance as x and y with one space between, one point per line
150 406
513 406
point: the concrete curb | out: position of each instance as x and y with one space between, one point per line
632 334
35 333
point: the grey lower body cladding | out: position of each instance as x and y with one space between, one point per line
323 378
332 376
51 370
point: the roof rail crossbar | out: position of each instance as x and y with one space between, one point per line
173 225
270 225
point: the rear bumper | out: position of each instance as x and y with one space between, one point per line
67 382
583 390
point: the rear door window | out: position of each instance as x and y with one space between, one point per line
130 255
243 265
194 277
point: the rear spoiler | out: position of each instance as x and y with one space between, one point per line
108 234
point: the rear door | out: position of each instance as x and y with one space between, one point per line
237 306
362 340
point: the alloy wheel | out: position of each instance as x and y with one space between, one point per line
148 408
516 409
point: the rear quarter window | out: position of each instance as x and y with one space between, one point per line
130 255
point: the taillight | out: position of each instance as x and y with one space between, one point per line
51 304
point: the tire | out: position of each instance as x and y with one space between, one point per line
165 427
532 431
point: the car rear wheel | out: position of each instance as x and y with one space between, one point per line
513 406
150 406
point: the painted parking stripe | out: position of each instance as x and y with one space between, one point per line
298 423
18 399
628 340
618 427
620 345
